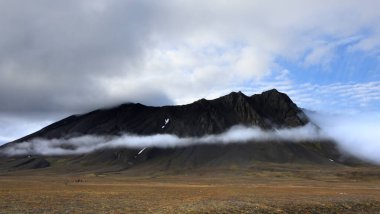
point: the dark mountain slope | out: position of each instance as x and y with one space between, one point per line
151 160
267 110
216 155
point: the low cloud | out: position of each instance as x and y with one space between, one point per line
90 143
357 135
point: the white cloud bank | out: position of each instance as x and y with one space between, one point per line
89 143
358 135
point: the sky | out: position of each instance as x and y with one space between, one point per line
59 58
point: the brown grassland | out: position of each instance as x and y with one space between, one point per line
267 188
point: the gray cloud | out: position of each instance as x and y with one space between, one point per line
74 55
77 55
53 54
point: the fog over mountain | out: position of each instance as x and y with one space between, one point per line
234 128
90 143
357 134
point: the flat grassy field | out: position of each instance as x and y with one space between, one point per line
264 189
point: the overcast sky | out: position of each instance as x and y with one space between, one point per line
63 57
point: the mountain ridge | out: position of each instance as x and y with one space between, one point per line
266 110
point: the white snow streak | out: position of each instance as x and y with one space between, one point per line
141 151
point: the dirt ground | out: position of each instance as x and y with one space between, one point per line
268 189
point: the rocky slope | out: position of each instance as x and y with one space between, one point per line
271 109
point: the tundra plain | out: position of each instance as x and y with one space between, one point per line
261 188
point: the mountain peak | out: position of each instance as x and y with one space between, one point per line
236 94
234 97
273 90
275 93
279 108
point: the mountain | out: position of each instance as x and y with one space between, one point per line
269 110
